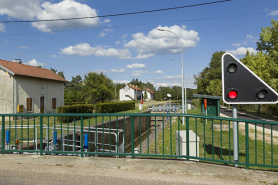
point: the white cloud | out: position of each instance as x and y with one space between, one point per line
168 77
23 47
249 37
175 81
136 66
7 42
85 50
35 63
62 10
105 32
55 56
274 13
123 37
245 42
163 84
236 44
2 28
23 9
117 70
106 21
99 71
242 51
139 73
163 42
140 56
117 42
158 72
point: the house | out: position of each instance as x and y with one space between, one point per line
29 89
130 92
150 94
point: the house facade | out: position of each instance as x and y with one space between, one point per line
28 89
150 94
130 92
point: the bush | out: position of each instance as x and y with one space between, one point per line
87 108
114 107
74 103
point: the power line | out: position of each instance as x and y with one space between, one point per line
142 24
114 15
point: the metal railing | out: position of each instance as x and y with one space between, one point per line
143 135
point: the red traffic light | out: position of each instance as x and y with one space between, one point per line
232 94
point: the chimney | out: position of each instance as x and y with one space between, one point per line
17 61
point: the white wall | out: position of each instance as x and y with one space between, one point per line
6 93
27 86
123 91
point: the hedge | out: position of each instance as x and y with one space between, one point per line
114 107
74 103
87 108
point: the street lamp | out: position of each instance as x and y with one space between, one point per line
184 110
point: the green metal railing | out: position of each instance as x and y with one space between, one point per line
142 135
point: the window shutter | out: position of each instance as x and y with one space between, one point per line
53 103
29 104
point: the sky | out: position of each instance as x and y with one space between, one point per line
130 46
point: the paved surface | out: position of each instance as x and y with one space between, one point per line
34 169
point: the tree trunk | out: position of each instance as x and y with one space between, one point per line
259 107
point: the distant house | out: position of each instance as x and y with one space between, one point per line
130 92
150 94
29 89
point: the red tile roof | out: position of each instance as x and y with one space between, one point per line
150 91
31 71
134 87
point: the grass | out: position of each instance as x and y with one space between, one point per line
216 146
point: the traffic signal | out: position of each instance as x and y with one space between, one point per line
241 86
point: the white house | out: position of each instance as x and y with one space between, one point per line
29 89
130 92
150 94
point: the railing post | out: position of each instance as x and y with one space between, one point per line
3 134
41 135
187 138
132 137
247 144
81 137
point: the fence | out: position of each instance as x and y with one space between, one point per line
102 135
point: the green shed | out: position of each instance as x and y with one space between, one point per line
213 104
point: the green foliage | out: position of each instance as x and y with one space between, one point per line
74 103
175 91
73 91
142 85
215 87
97 88
113 107
145 95
88 108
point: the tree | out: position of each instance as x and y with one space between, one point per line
215 87
53 70
61 74
73 91
145 95
97 88
269 40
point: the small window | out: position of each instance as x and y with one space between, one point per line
42 88
29 104
54 105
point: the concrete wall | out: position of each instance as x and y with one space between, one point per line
6 93
27 86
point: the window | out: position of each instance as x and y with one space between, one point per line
29 104
54 103
42 88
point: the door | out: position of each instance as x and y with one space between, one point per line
42 104
212 107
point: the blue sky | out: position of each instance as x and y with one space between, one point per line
127 47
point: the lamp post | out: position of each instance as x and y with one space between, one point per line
184 110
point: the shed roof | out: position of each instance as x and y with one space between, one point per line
207 96
14 68
150 91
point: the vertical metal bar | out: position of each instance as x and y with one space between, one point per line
229 141
196 137
235 136
102 134
163 134
110 133
171 134
10 132
117 127
212 141
140 137
155 133
48 134
179 136
271 146
41 135
96 137
28 133
255 143
61 134
124 135
21 133
221 137
73 134
187 137
132 137
247 144
3 134
148 135
264 144
238 141
68 134
34 131
89 134
204 139
81 137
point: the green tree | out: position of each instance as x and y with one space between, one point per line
215 87
97 88
145 95
73 91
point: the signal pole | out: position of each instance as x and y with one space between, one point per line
235 136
